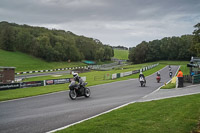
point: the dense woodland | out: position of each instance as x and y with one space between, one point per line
168 48
52 45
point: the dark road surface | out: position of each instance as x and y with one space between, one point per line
48 112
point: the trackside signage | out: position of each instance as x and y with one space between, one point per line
9 86
36 83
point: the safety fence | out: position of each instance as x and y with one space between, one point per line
36 83
118 75
109 76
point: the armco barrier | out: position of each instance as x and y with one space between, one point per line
118 75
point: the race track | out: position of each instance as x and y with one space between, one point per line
48 112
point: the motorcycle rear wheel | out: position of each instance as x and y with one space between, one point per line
72 94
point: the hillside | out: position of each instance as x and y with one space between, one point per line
52 45
121 54
24 62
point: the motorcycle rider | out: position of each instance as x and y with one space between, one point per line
142 75
78 79
170 68
170 73
158 73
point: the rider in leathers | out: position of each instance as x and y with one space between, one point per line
142 75
78 79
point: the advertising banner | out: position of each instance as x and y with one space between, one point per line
114 76
136 71
49 82
61 81
9 86
118 75
31 84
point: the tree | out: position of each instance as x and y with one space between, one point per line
195 48
7 38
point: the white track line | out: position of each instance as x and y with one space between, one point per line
179 95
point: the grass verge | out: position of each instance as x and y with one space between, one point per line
173 115
169 86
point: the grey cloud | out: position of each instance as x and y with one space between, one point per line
130 21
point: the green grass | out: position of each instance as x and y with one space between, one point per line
24 62
33 91
121 54
173 115
169 86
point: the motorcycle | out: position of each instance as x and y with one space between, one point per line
142 82
158 79
170 74
75 91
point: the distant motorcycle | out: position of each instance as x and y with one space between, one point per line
170 74
75 91
142 82
158 79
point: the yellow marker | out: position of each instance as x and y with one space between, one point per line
173 80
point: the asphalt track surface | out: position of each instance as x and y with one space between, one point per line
48 112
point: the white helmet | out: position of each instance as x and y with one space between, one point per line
75 75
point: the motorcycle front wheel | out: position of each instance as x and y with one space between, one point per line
72 94
87 92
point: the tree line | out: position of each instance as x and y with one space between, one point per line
168 48
52 45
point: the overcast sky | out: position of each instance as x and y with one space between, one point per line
114 22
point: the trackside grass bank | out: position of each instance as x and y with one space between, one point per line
121 54
33 91
173 115
24 62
